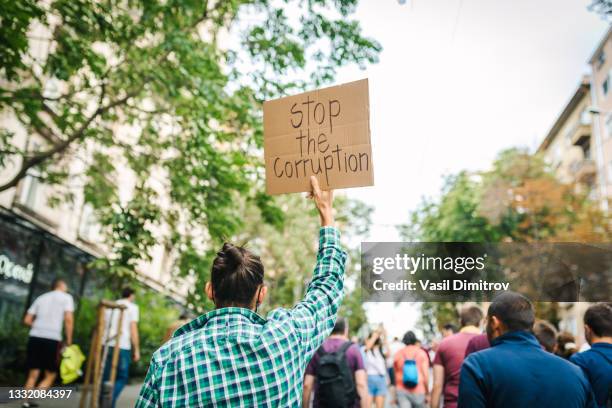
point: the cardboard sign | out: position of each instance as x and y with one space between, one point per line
325 133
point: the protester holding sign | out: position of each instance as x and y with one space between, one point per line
232 356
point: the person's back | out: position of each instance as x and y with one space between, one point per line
450 355
515 371
232 356
597 361
49 309
411 395
343 377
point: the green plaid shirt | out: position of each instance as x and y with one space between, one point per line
232 357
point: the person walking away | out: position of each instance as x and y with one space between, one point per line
395 346
411 366
375 353
45 317
546 335
129 343
515 371
596 362
450 355
232 356
336 372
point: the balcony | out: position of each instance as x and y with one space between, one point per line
584 171
580 134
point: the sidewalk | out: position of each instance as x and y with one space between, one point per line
127 399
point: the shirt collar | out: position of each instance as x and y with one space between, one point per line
221 315
519 336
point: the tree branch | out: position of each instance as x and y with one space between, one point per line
60 147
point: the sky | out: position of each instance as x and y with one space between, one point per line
457 82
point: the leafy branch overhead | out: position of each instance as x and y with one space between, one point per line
164 97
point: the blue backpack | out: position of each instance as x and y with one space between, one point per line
410 374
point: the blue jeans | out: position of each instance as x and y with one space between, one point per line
123 370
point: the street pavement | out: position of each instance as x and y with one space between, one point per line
127 399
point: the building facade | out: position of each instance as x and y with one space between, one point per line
601 109
579 148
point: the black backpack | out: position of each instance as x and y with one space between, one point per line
336 386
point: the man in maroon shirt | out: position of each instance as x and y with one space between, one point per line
449 357
354 359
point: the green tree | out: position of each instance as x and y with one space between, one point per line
165 97
517 200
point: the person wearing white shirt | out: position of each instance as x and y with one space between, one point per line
129 344
46 316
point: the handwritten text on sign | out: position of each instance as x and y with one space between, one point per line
325 133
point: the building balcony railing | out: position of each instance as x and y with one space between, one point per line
584 170
580 134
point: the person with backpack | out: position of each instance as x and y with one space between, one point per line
234 357
336 373
411 365
596 363
376 351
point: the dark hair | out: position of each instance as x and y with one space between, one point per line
236 275
56 282
340 326
566 345
599 318
450 326
127 292
470 316
409 338
514 310
546 335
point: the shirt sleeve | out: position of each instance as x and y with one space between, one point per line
359 364
439 358
134 314
314 317
33 310
149 393
69 304
471 385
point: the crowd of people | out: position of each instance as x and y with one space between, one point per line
302 356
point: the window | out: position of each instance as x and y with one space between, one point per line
30 189
89 228
601 59
605 86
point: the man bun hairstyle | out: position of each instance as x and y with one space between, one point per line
599 318
514 310
236 275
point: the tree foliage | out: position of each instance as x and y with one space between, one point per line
162 98
517 200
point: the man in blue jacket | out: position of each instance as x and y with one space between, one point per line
597 361
516 371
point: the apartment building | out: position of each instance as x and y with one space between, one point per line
579 148
40 241
601 109
568 146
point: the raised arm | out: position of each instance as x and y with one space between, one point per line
315 315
